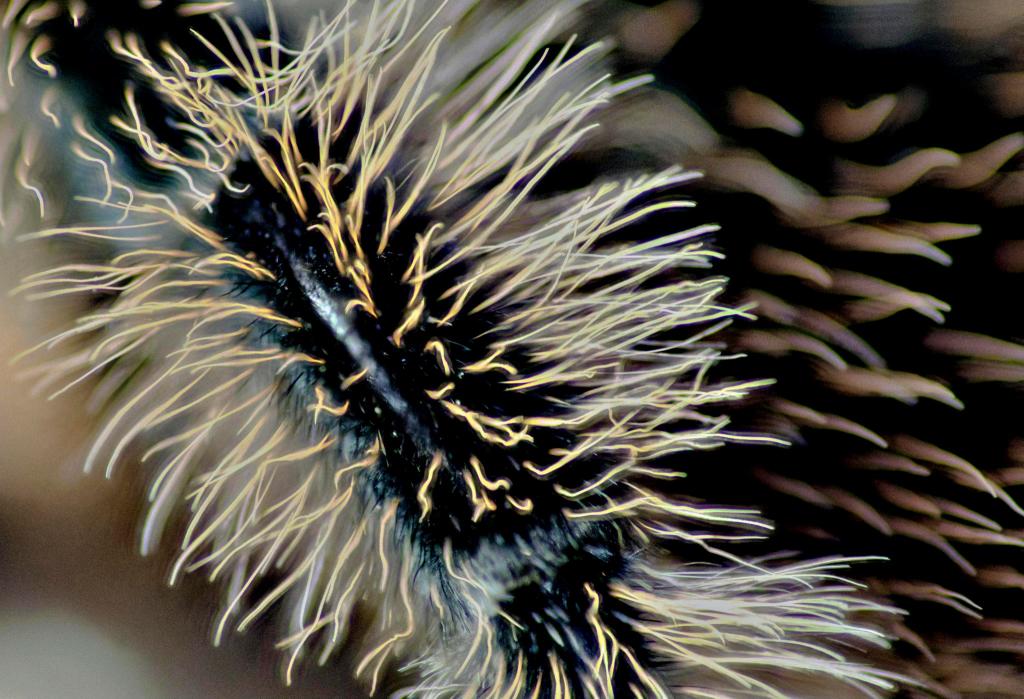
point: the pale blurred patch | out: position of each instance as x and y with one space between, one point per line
49 653
981 19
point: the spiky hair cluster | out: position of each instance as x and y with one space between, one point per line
394 367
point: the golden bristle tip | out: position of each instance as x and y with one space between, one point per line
467 416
